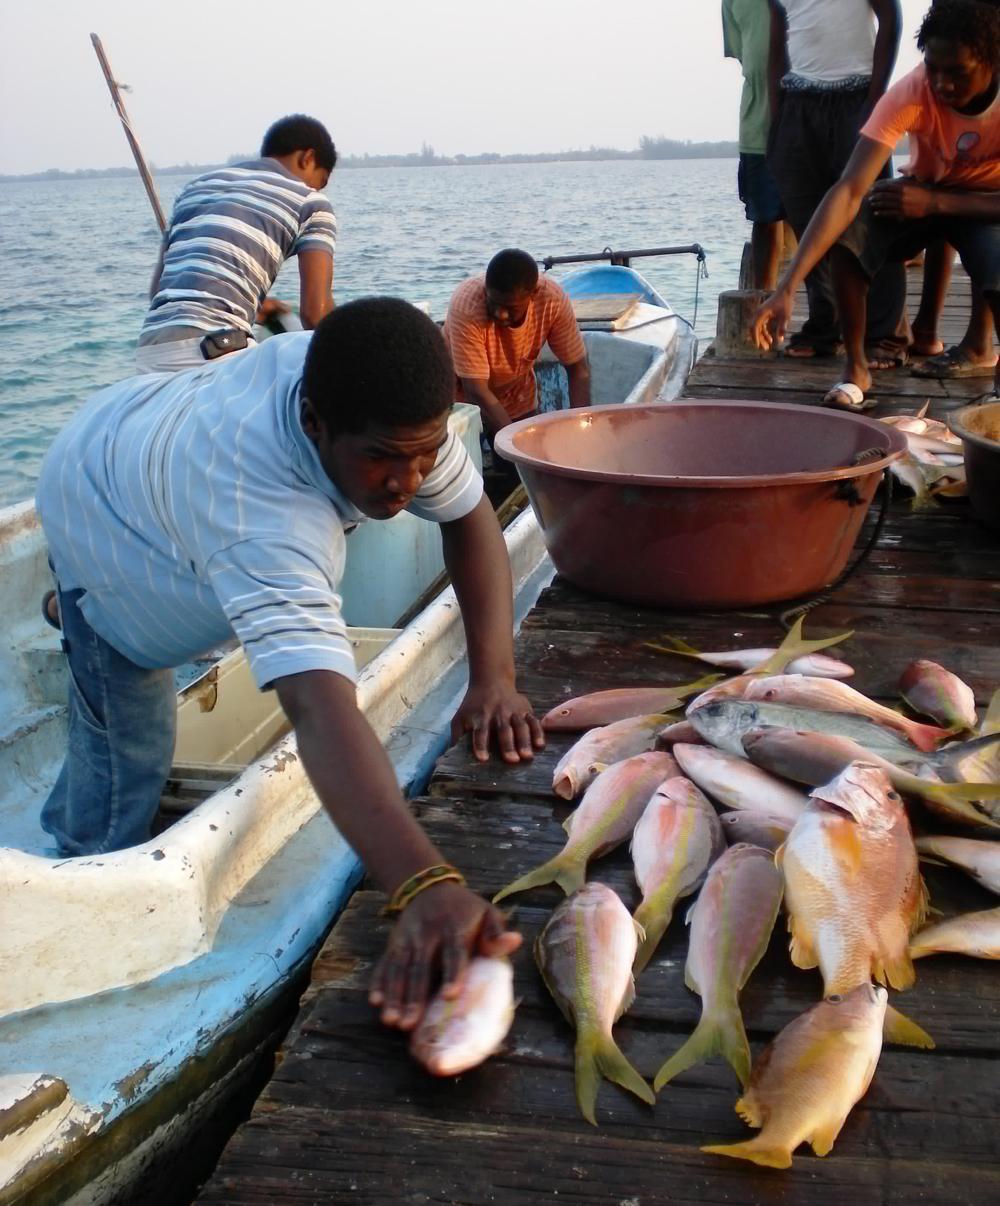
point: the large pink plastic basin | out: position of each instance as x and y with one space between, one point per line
710 504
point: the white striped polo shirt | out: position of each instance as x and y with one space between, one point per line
190 506
229 234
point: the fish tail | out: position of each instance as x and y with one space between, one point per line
654 924
567 873
718 1033
926 737
899 1029
673 644
757 1149
977 798
795 646
598 1055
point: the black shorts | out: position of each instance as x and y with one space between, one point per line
874 241
757 189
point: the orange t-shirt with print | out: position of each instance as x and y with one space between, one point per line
946 147
505 356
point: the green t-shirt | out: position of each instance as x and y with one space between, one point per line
746 33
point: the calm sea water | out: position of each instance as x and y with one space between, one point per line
77 257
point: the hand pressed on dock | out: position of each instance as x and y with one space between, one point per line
497 711
439 929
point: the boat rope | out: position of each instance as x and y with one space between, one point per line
788 618
700 272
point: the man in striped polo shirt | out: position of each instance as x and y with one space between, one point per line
182 509
230 232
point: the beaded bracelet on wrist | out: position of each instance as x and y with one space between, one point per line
417 883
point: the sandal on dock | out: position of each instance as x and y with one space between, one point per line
845 395
953 362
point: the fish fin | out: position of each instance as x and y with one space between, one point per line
952 757
628 998
569 874
927 737
652 927
718 1033
699 685
823 1137
795 646
962 803
675 645
749 1110
770 1155
922 412
898 971
900 1030
800 947
991 721
598 1055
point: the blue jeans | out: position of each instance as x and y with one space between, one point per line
122 725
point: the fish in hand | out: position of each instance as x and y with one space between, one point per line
459 1033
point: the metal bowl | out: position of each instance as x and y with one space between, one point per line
700 504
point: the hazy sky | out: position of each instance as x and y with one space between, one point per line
384 75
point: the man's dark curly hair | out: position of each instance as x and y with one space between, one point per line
974 24
300 133
377 361
512 271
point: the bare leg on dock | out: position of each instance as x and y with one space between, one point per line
765 243
851 287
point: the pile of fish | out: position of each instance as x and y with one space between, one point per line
933 465
812 785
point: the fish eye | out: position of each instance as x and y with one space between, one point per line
564 711
892 795
835 998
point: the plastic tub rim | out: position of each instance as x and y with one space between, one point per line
504 445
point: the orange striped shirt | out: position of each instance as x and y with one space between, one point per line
505 356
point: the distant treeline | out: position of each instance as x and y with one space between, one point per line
649 148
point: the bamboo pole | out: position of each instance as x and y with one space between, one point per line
133 142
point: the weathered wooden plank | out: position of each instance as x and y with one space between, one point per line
310 1155
885 640
339 1063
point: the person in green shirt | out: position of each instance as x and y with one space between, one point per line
746 30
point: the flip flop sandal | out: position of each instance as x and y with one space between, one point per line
892 355
845 395
952 362
46 615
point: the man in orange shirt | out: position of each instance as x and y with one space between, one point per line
496 326
950 108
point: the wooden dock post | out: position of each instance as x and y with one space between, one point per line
734 325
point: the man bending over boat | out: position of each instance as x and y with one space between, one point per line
182 509
950 189
229 234
496 326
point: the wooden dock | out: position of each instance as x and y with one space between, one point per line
349 1117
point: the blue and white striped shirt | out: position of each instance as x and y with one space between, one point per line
189 506
229 234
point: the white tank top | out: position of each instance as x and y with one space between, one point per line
830 39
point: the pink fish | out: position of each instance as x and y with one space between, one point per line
605 707
935 692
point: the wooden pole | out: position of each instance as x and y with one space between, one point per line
133 142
